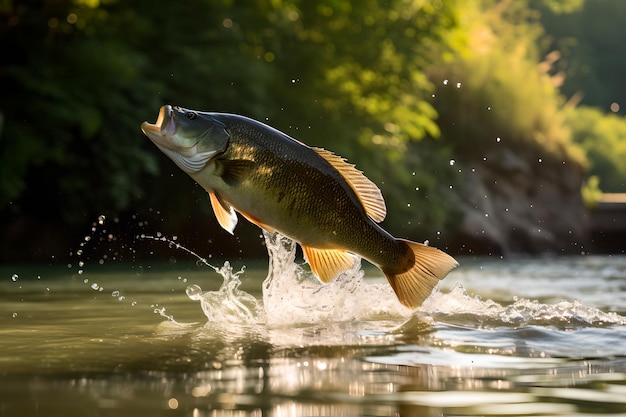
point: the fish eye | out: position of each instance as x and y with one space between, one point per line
190 115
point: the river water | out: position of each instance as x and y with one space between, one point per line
524 337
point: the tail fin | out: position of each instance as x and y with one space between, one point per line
415 285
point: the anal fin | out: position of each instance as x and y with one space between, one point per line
326 264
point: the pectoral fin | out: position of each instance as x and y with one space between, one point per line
224 212
234 172
327 263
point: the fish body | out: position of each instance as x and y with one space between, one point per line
308 194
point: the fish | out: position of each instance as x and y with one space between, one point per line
309 194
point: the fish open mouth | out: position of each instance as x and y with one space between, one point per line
163 126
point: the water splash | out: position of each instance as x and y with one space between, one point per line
292 295
459 306
228 304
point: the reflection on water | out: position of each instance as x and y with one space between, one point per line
504 337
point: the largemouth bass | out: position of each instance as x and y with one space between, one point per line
309 194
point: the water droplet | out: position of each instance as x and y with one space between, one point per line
80 272
194 292
540 160
452 162
14 277
81 264
95 286
172 403
133 304
121 298
101 219
14 315
498 139
445 82
458 85
115 294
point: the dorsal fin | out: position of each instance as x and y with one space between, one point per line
366 190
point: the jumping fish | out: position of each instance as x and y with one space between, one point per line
309 194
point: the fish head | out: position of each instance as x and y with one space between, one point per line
189 138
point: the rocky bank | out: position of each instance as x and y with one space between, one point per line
515 201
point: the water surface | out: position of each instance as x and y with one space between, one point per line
499 337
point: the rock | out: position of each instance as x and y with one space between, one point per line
515 202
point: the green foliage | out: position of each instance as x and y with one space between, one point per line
603 137
88 72
498 94
359 80
590 39
69 101
591 191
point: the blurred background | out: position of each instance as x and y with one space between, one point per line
491 127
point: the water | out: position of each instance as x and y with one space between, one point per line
533 337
